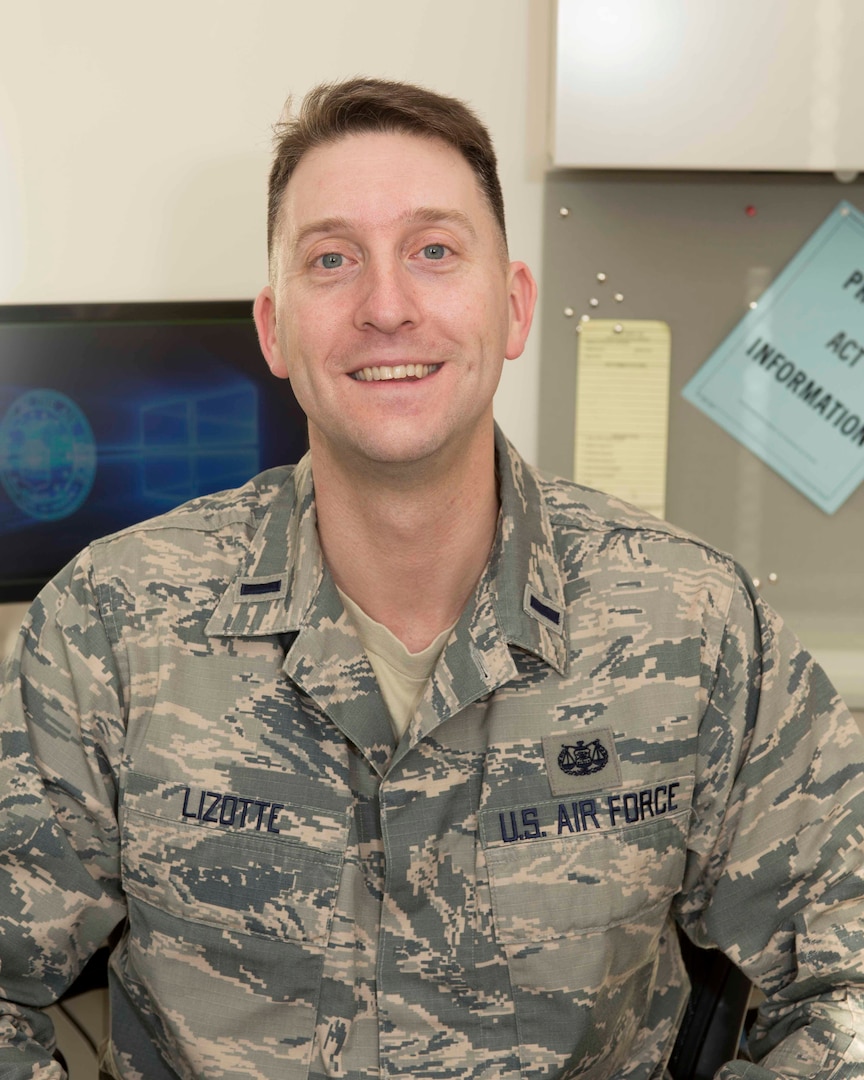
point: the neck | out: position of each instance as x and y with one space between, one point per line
408 543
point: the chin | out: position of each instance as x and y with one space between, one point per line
405 449
390 446
401 454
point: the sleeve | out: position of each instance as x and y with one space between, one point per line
61 734
775 875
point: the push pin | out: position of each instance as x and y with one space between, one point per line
564 212
594 302
601 276
569 312
619 296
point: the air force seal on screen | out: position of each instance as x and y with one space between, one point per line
579 761
47 455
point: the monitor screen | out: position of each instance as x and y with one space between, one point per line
112 413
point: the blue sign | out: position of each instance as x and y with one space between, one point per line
788 382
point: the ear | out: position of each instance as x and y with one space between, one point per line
264 310
522 293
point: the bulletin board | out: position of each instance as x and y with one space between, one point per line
695 250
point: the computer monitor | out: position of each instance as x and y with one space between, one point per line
112 413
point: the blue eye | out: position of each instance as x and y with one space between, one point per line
332 260
434 251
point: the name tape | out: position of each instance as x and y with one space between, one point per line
231 811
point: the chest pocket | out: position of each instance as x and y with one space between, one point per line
252 866
231 903
580 919
544 889
249 882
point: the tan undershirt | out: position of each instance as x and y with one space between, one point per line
401 675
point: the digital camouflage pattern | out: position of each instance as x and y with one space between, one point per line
618 736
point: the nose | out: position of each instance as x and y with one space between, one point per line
387 301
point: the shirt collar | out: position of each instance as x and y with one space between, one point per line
280 582
281 576
523 576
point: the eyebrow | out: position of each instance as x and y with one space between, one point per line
428 215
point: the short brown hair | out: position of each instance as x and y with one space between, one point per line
332 111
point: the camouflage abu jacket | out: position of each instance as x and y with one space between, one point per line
618 735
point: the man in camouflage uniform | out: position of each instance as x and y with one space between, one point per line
324 857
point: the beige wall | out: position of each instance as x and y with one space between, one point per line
135 139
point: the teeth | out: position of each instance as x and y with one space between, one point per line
398 371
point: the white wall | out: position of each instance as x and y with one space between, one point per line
135 138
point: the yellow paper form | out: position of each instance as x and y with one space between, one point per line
622 410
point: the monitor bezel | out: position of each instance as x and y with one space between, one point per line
17 589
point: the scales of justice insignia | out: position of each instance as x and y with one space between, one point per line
581 759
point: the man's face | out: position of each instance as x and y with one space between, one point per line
392 306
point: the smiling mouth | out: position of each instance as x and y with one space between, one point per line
396 372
